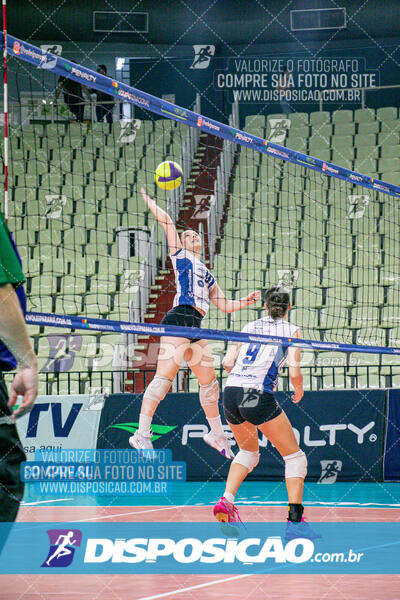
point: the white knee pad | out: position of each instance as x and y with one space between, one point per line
247 459
295 465
209 394
157 389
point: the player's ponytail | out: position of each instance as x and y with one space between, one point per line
277 299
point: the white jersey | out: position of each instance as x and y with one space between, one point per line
258 365
192 279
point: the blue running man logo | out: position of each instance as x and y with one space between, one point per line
62 547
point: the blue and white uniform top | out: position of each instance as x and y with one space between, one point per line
258 365
192 279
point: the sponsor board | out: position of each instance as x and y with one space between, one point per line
392 442
326 424
60 422
199 548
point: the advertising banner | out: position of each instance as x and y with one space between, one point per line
61 422
198 548
342 434
392 445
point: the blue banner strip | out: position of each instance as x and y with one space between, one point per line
74 322
199 548
61 66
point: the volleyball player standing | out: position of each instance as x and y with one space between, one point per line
249 405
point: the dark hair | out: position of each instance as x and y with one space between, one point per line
277 299
103 67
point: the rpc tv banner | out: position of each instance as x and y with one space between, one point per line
342 434
198 548
61 422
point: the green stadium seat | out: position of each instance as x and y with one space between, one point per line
339 295
367 152
316 142
43 284
389 151
368 127
335 276
390 316
389 126
371 337
360 317
297 143
39 304
67 306
388 113
393 294
74 237
320 117
364 276
365 165
71 284
305 318
394 336
368 139
311 298
389 164
364 115
390 138
342 141
392 361
370 295
345 129
391 177
298 119
342 116
390 274
325 130
301 132
343 156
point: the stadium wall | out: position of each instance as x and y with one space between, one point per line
174 73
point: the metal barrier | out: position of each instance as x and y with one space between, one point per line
324 378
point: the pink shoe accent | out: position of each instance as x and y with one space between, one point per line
226 512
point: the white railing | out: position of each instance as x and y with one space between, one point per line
175 200
221 185
325 93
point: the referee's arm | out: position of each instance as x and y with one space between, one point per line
14 334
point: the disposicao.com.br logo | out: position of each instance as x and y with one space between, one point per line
193 550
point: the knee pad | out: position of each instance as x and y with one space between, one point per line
209 394
247 459
157 389
295 465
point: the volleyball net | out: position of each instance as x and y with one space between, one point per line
270 201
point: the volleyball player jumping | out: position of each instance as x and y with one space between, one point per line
249 405
195 287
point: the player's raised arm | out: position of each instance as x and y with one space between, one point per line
165 221
296 378
218 298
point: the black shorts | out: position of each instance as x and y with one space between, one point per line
248 404
183 316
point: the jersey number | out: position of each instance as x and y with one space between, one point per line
251 353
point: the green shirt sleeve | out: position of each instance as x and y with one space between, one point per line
10 268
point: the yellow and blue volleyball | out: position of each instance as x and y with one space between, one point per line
168 175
